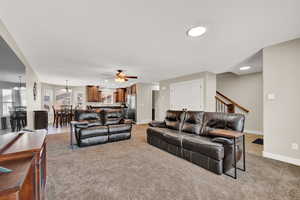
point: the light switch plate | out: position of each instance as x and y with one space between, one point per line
271 96
295 146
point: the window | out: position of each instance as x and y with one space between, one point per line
7 101
63 97
23 97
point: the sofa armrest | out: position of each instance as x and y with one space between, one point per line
224 141
80 124
127 121
225 133
158 124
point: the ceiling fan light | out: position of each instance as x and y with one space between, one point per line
120 80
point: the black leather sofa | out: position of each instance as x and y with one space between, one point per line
187 134
97 128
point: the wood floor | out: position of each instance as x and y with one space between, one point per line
252 148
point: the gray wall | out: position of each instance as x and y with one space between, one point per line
246 90
281 115
32 104
209 91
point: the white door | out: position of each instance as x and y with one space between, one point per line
187 95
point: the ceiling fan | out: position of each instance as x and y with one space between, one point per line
122 77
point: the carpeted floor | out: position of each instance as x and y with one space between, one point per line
134 170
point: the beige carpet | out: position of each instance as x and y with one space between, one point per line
134 170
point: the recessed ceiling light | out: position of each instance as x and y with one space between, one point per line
245 68
196 31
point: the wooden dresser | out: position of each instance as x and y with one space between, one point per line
25 154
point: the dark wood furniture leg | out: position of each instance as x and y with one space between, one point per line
72 124
244 156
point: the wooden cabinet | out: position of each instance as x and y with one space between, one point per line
93 94
25 154
120 95
40 119
115 97
21 182
133 89
100 96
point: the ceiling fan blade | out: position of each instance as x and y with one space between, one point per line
134 77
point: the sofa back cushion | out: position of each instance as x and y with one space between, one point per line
193 122
173 119
227 121
111 117
117 113
89 116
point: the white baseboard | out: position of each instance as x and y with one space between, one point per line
286 159
143 122
253 132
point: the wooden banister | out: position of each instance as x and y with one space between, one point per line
231 102
221 100
221 106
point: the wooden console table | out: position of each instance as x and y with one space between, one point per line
25 154
232 135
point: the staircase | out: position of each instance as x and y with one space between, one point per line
227 105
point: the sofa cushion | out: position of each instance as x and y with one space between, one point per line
93 131
119 136
88 116
202 145
120 128
173 119
227 121
112 121
159 124
117 113
92 123
93 141
168 135
193 122
111 117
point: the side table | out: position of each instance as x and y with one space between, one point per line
232 135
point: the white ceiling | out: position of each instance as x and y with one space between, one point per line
80 40
10 65
255 61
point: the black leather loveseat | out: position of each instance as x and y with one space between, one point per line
106 126
187 134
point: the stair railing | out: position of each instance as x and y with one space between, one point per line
227 105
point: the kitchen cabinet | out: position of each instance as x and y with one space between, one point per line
93 93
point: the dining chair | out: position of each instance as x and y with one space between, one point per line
56 117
